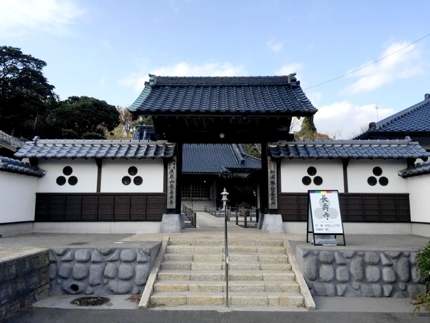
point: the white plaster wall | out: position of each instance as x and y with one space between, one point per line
360 170
292 172
17 197
97 227
84 169
419 197
151 171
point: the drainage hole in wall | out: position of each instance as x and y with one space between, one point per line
90 301
74 288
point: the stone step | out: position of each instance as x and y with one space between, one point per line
219 275
185 249
218 299
220 242
234 257
188 265
219 286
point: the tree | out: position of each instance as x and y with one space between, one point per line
25 94
83 117
308 131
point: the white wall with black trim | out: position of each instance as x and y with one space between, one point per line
128 176
68 176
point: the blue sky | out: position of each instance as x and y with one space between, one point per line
106 48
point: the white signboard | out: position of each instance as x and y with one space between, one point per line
325 212
324 218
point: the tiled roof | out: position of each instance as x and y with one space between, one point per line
216 158
417 169
62 148
10 142
260 94
354 149
17 166
413 119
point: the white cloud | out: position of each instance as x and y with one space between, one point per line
401 60
289 68
137 80
21 17
345 120
275 45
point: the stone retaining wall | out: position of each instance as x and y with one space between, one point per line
365 273
101 270
23 281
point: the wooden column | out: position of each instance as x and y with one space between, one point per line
99 163
264 192
178 176
345 163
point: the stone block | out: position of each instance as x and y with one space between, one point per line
348 254
341 289
388 275
96 274
96 256
371 290
339 257
393 254
310 267
371 257
385 260
128 255
142 272
120 286
114 256
402 267
326 257
342 274
323 289
357 268
125 271
326 273
80 271
416 276
387 290
67 256
65 270
171 223
111 270
142 257
82 255
413 258
373 274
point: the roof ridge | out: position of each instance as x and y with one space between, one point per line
390 119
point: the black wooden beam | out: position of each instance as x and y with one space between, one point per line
99 163
345 163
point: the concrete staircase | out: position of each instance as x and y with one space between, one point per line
192 274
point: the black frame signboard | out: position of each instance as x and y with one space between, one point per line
324 216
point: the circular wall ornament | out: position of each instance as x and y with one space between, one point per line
126 180
306 180
377 171
73 180
137 180
372 181
61 180
132 170
312 171
383 181
318 180
67 170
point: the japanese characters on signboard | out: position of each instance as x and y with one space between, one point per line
325 212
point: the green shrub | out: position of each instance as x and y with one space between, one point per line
423 263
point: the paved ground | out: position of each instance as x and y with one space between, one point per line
205 220
144 316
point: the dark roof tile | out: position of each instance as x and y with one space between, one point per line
64 148
19 167
260 94
354 149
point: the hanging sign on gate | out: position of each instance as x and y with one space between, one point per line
324 217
